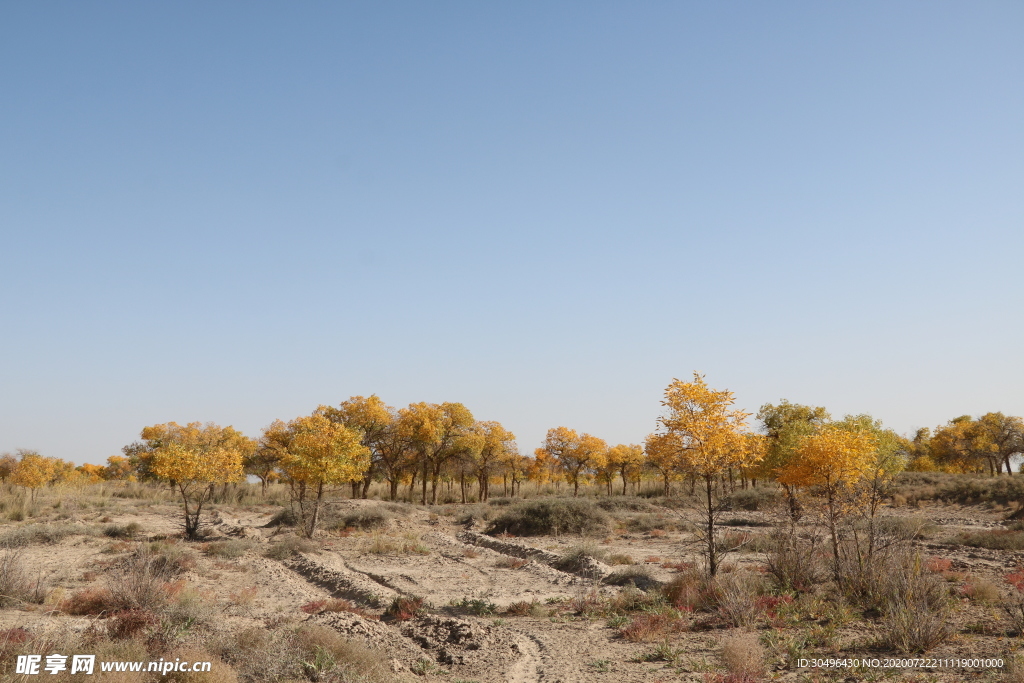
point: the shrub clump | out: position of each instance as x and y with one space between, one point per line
38 533
743 657
363 519
230 550
581 559
405 607
284 517
14 582
997 539
636 575
288 546
558 516
122 531
915 607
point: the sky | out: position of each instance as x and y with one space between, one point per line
235 212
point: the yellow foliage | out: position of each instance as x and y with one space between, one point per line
706 433
92 474
577 455
33 471
319 451
119 468
832 458
197 453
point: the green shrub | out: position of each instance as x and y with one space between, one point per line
555 516
475 606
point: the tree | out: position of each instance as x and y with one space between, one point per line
661 452
783 426
516 467
316 454
119 468
834 459
960 446
373 419
494 446
33 471
576 454
920 452
264 461
1003 437
627 462
194 458
707 434
437 432
7 464
92 474
543 467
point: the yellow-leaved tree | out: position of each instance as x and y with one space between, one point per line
436 432
33 471
316 454
835 459
194 458
577 455
375 421
707 437
627 462
661 455
495 446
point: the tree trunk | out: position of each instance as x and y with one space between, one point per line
712 549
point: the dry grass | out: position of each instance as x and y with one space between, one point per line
690 591
140 582
335 605
738 598
230 549
915 607
743 657
981 591
533 608
15 586
650 627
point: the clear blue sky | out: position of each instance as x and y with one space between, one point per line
234 212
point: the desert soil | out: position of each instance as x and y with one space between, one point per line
453 563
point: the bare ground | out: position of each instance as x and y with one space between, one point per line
468 582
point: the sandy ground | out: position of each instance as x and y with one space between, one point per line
452 563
